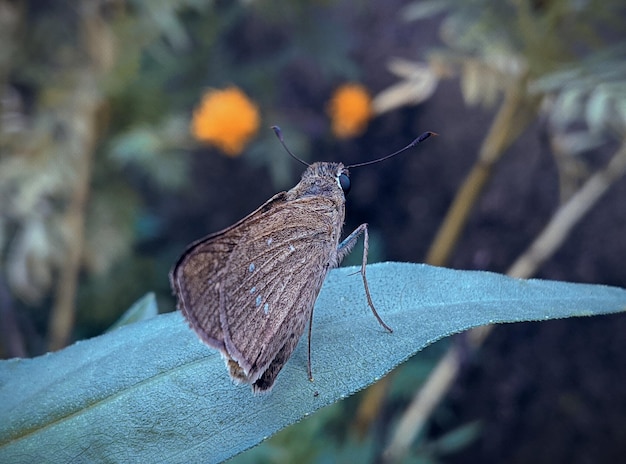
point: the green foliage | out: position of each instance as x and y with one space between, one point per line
151 392
560 45
141 66
543 32
78 65
592 90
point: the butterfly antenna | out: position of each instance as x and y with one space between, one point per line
421 138
279 134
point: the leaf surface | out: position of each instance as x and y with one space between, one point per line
151 392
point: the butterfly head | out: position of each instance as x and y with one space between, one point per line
325 179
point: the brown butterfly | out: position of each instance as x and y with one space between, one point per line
249 290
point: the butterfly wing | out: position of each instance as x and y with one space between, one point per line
249 290
274 276
198 275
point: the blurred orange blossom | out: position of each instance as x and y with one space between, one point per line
350 109
227 119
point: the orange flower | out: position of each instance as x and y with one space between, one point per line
227 119
350 109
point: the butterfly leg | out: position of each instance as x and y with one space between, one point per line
309 369
344 248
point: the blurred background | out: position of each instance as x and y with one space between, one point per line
129 128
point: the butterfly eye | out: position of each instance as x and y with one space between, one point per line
344 182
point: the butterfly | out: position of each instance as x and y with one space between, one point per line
249 290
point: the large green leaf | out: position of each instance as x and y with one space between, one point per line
151 392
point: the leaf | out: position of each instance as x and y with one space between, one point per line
424 9
568 107
458 439
143 309
151 392
419 82
597 109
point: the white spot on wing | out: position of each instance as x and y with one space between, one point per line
269 241
253 289
266 308
292 248
258 301
251 267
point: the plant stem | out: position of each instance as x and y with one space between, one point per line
514 115
79 120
